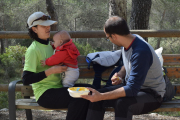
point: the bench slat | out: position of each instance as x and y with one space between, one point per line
31 104
25 101
166 109
89 73
171 59
29 91
173 72
177 88
173 102
82 61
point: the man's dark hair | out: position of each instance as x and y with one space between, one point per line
116 25
32 34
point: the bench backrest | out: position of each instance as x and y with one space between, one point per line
172 63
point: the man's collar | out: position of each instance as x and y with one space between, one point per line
130 44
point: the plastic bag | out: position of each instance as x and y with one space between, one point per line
159 54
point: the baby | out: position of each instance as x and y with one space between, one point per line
66 53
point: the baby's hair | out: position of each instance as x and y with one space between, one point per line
64 36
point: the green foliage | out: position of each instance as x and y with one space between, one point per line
13 55
4 99
25 42
84 49
11 60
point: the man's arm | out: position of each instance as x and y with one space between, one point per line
120 92
122 72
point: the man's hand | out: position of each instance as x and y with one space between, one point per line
116 79
96 96
43 63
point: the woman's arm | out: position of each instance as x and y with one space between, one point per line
31 77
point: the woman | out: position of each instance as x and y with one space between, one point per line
45 81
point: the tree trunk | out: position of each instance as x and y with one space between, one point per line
161 24
161 27
140 14
52 12
3 41
2 46
118 8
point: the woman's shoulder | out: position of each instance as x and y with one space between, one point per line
31 48
33 45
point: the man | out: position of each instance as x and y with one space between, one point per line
143 86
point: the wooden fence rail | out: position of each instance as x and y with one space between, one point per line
94 34
4 87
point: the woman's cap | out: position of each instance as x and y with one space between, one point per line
39 18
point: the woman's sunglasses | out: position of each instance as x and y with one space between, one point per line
44 17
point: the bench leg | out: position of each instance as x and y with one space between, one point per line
12 113
28 111
28 114
11 100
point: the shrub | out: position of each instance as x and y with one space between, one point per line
4 98
11 60
84 49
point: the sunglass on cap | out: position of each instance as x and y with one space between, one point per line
44 17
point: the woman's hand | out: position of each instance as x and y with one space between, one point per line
55 69
59 68
116 79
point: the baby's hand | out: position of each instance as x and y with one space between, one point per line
43 63
51 43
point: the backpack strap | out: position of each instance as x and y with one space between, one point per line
165 70
88 60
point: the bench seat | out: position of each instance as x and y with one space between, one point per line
173 105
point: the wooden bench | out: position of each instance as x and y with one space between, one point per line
171 61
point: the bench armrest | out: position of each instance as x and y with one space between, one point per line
11 94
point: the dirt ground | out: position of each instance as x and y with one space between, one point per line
61 115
